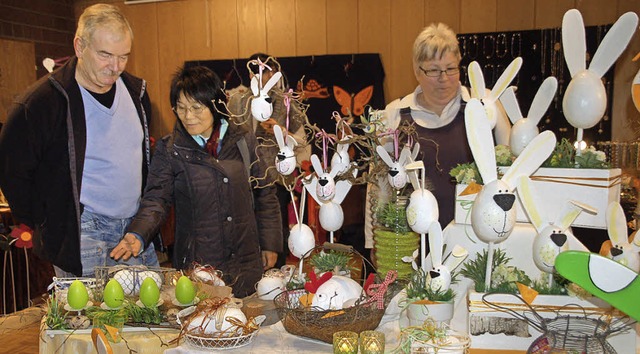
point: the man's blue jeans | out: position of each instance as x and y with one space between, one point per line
99 235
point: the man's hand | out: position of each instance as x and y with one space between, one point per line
269 259
128 246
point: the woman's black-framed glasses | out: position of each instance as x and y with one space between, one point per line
438 72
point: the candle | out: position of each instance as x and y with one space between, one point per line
371 342
345 342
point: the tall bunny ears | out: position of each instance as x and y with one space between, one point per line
613 44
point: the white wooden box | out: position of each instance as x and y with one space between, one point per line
546 306
594 187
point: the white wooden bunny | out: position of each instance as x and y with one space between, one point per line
301 238
340 160
439 276
585 99
261 105
525 129
489 99
286 157
337 293
423 206
554 233
493 214
329 194
622 251
397 174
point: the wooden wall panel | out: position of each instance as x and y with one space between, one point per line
594 12
224 29
374 28
252 30
311 27
171 49
197 32
144 61
17 71
515 15
549 12
478 16
281 27
407 20
445 11
342 26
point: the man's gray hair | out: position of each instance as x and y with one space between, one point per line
102 15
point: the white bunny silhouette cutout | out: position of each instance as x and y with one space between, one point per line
525 129
478 88
622 251
261 105
285 158
585 99
553 232
397 174
493 214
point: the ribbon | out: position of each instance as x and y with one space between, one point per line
326 138
261 67
377 291
287 104
395 133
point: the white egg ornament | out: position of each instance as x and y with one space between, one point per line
130 280
337 293
331 216
301 240
209 275
270 286
216 322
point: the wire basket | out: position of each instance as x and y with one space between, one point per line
581 333
322 324
61 286
131 277
215 341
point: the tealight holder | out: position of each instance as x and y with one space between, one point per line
371 342
345 342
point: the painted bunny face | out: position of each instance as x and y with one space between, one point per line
397 175
439 278
285 158
261 105
547 245
493 214
621 251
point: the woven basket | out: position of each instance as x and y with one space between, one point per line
321 325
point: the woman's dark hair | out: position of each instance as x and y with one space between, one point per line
200 84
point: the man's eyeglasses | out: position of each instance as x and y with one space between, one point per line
438 72
196 109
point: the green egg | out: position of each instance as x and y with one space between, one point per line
113 294
77 296
149 292
185 290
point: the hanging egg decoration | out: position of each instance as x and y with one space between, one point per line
113 294
77 295
149 292
185 290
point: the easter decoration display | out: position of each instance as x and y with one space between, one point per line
285 158
423 208
525 129
493 214
604 278
489 99
622 248
329 303
77 297
429 292
208 274
326 191
585 99
271 284
185 292
261 105
217 323
553 233
131 278
113 295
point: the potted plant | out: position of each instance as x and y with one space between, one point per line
333 261
424 301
